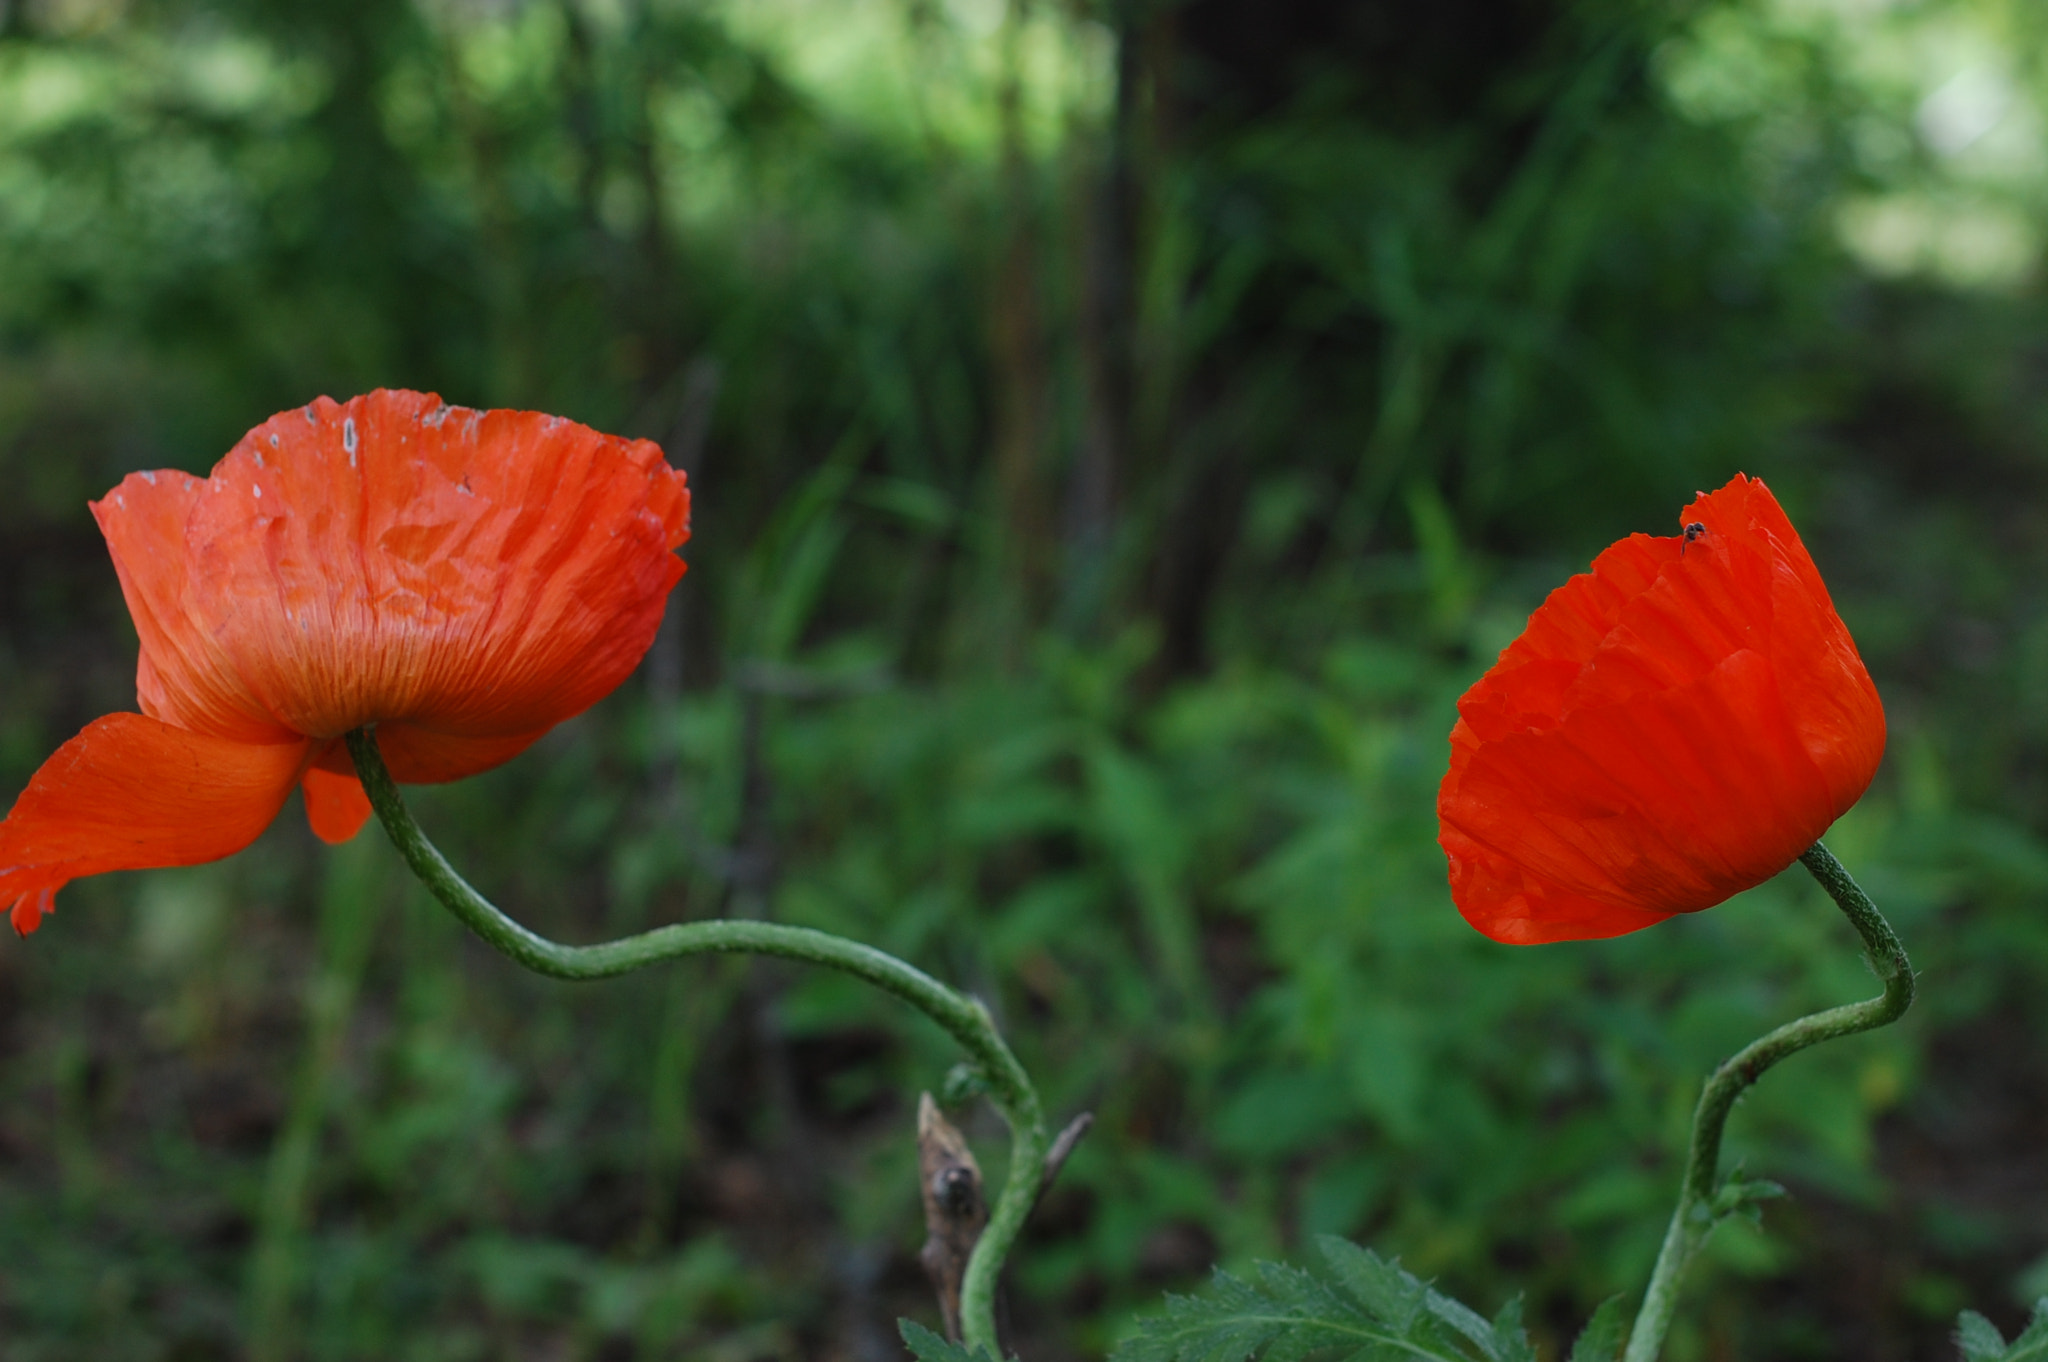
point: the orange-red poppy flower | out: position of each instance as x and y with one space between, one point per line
465 580
1673 727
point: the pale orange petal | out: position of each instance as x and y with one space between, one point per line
182 676
336 806
481 575
131 792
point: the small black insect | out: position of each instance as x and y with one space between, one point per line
1692 532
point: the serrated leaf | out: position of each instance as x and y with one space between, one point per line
1510 1339
1978 1338
1465 1320
2032 1344
1386 1291
1362 1308
927 1346
1601 1339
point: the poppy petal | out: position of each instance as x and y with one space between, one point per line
336 806
31 908
1673 727
131 793
1521 909
182 675
1698 612
420 756
1577 617
1833 704
483 575
1634 805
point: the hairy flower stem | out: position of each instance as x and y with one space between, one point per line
1703 1202
965 1019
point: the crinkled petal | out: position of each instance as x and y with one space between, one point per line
480 576
1528 687
1576 618
1701 608
130 793
1673 727
182 676
1518 697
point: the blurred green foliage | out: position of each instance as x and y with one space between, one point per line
1120 430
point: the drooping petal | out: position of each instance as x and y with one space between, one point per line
131 793
336 806
31 908
482 575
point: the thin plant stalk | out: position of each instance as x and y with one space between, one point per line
962 1017
1703 1202
348 928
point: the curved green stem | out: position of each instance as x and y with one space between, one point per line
1703 1202
964 1018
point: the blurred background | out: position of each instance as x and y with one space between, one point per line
1120 429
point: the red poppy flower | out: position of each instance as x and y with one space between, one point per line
1672 728
466 580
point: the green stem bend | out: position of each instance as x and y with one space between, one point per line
1702 1201
962 1017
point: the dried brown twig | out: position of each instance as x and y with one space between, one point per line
955 1210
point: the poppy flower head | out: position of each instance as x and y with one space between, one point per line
463 579
1672 727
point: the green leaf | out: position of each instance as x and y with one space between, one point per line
1465 1320
1978 1338
1601 1339
1385 1291
1359 1307
927 1346
1510 1339
2032 1344
1740 1196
